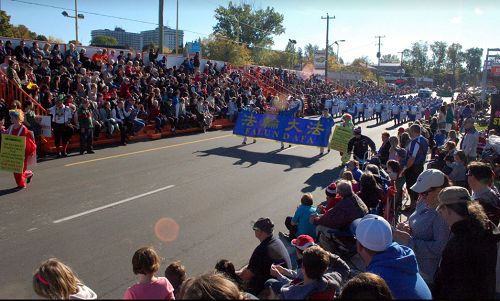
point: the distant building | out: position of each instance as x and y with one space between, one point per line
152 36
124 38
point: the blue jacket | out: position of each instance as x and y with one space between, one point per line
398 267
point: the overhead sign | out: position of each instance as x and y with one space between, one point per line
495 70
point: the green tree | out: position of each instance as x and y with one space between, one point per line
9 30
418 61
291 55
41 37
244 24
309 51
55 40
389 58
438 60
221 49
454 57
472 58
300 56
6 29
103 41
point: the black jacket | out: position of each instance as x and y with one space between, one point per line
468 262
359 146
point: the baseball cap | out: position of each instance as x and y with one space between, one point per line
303 242
331 190
357 130
264 224
428 179
374 233
453 195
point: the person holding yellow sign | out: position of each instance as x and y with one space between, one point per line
17 129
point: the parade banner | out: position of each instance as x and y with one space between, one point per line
12 153
340 138
283 127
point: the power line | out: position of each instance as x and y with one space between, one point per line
86 12
218 35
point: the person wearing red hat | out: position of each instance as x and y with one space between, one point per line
331 198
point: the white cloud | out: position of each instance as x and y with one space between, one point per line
456 20
478 11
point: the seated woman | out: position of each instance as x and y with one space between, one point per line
347 175
371 193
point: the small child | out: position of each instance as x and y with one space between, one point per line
146 263
176 274
299 224
55 280
226 267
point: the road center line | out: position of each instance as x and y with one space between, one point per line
144 151
111 205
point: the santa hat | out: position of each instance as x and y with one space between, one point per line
331 190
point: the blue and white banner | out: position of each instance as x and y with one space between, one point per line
284 127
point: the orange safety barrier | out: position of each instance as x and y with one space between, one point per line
10 92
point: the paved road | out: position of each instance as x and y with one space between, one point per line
94 211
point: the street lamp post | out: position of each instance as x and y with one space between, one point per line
338 62
76 17
291 53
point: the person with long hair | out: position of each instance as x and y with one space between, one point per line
468 262
54 280
371 193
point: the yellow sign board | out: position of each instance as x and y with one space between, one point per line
12 153
340 138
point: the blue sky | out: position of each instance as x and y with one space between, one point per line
471 23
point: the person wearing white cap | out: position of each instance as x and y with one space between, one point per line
395 263
425 231
468 262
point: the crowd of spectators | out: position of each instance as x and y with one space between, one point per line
437 166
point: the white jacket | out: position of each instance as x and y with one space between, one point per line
469 144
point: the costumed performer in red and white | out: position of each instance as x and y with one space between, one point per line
18 129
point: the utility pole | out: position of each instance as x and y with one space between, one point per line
378 56
160 28
177 29
76 23
327 18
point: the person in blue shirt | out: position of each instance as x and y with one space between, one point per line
299 224
396 264
327 119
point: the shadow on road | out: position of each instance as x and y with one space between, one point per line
274 157
322 179
9 191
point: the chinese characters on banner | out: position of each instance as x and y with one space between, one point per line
12 153
284 127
